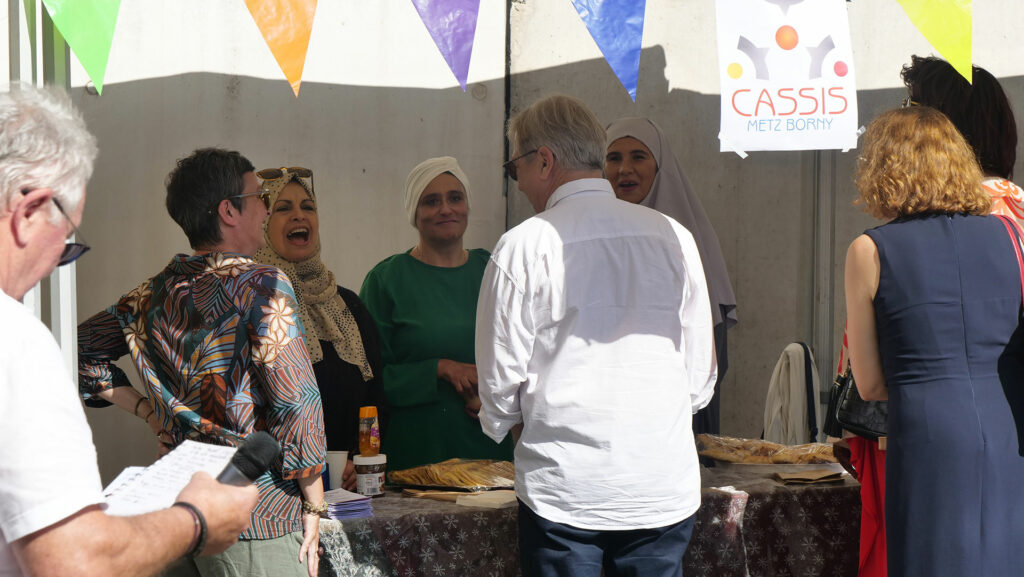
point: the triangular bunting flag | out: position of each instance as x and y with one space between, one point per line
947 25
88 28
286 26
618 28
452 25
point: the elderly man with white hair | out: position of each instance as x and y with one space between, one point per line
51 504
594 331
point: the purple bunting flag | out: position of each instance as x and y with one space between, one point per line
617 27
452 25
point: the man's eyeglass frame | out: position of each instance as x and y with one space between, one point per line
72 250
263 194
510 166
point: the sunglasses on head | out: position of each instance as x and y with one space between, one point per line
279 173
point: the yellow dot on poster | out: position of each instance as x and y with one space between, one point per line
735 70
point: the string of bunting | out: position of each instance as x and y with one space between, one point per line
615 25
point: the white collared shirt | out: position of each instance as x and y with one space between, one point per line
48 466
594 329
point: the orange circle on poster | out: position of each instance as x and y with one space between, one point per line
786 38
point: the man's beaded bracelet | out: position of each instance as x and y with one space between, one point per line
199 537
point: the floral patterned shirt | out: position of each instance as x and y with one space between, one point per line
1007 198
217 341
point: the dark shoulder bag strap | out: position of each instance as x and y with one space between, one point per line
809 389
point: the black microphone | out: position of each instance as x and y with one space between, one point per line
251 460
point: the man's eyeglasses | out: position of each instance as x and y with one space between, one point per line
264 196
72 250
510 166
908 101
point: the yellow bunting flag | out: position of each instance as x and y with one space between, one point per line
285 25
948 26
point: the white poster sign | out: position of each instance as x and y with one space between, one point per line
786 69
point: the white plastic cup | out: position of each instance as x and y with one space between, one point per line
336 461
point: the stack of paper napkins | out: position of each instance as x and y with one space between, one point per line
342 504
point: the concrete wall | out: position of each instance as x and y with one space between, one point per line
377 98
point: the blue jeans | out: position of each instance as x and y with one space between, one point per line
549 549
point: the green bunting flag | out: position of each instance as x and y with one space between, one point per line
88 28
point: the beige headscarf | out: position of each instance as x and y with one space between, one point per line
324 313
425 172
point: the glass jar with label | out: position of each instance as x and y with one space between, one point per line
370 474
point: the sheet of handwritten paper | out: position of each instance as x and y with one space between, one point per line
136 490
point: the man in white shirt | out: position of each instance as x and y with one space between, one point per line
594 331
51 503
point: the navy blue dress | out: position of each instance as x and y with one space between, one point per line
948 312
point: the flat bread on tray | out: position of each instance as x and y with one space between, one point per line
461 474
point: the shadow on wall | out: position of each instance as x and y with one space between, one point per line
763 209
362 141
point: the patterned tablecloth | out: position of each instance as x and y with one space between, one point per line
748 524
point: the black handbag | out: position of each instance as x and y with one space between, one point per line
846 410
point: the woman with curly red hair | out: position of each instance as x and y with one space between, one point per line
933 301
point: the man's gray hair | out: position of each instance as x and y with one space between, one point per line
566 126
44 143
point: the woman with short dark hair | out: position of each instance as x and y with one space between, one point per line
981 112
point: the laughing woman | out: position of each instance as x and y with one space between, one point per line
341 337
424 301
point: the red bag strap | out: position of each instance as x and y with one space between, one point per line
1013 229
843 352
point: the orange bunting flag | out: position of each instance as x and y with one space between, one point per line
286 26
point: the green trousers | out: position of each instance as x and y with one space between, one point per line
249 558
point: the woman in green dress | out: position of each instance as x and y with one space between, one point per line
424 302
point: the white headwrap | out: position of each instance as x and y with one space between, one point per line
672 195
425 172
